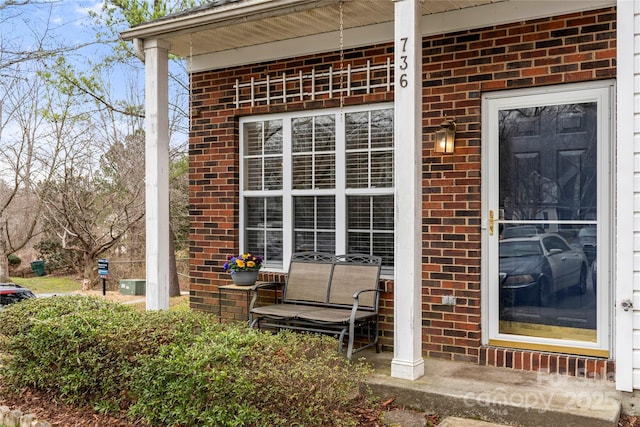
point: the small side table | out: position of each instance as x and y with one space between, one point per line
251 295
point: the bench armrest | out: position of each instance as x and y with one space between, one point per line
357 294
356 300
268 285
261 286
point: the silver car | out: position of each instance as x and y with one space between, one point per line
541 266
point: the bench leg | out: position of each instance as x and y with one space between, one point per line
255 322
340 339
352 329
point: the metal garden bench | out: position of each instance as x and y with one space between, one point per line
331 294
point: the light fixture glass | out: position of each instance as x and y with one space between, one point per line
445 137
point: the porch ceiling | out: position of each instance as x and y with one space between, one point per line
236 24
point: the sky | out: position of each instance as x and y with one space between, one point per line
61 21
57 23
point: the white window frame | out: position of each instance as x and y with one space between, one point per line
340 192
602 92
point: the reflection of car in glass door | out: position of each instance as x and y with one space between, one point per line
588 239
538 267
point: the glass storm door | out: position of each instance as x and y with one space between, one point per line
546 218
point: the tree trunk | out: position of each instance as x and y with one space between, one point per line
4 267
174 283
87 279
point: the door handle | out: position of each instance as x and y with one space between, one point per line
491 221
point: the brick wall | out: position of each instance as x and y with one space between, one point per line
457 69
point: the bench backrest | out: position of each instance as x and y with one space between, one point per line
320 278
309 277
352 273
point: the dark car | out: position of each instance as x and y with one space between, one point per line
540 266
11 293
588 240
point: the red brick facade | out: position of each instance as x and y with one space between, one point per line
457 69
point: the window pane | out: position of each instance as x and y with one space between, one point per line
313 152
369 143
326 242
314 223
382 169
325 171
382 129
255 211
357 130
304 241
253 138
274 246
273 137
359 243
325 133
357 170
263 155
304 212
326 212
383 213
264 227
359 213
371 226
253 167
383 247
548 162
302 171
302 134
273 173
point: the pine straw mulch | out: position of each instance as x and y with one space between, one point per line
48 408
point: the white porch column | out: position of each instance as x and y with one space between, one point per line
627 134
157 173
407 360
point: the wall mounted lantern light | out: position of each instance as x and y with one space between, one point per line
445 137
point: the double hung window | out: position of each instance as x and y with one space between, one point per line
318 181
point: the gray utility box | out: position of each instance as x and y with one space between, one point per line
132 287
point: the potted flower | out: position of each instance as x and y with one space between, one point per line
244 268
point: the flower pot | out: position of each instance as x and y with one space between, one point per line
244 278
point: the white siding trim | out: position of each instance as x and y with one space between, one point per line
627 325
458 20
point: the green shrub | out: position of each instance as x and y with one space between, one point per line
175 368
240 377
14 260
82 349
18 318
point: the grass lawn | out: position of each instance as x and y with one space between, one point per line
48 284
58 285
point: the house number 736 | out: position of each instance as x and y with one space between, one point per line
403 62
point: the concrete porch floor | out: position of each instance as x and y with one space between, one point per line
471 392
